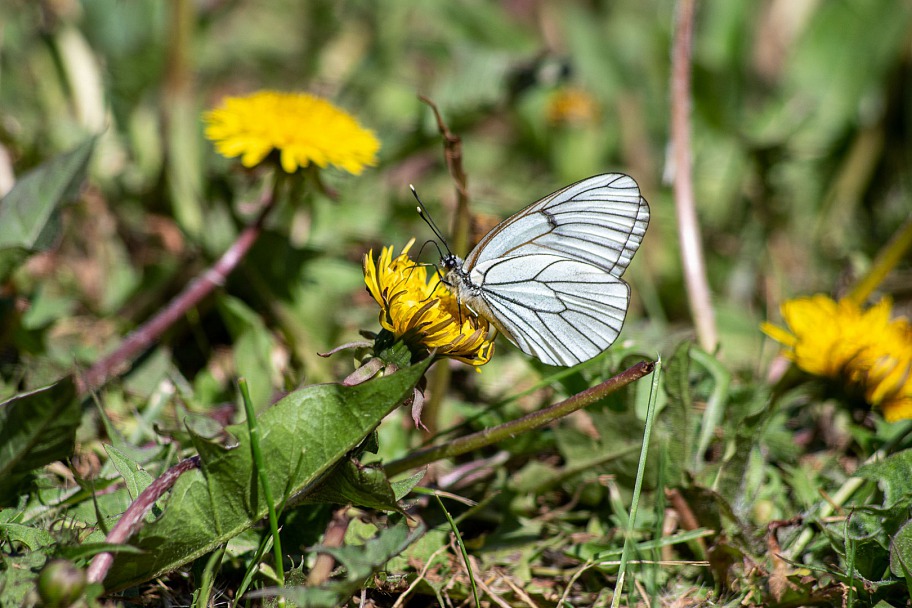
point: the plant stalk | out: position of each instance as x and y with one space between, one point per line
886 260
638 484
260 464
529 422
145 335
459 241
693 260
133 516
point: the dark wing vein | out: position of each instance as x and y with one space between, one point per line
561 311
600 220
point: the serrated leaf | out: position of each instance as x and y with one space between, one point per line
741 470
892 474
361 485
675 419
36 428
391 349
134 475
360 562
302 437
33 538
18 577
27 209
403 487
901 552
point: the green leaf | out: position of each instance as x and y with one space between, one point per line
892 474
303 436
611 445
360 562
36 428
28 208
391 349
18 577
901 553
32 538
84 551
832 95
675 419
403 487
136 477
741 471
253 348
361 485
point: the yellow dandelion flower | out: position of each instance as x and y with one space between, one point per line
301 128
422 311
825 335
887 372
865 348
572 106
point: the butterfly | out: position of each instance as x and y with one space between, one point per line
549 277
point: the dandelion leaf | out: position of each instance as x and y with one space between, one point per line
27 211
901 553
892 474
36 428
360 562
303 437
676 423
362 485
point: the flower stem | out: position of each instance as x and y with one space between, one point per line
452 152
886 260
200 287
529 422
692 256
133 516
459 242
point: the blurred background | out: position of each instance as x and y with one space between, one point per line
801 119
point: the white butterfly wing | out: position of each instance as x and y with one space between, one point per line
560 310
600 220
549 275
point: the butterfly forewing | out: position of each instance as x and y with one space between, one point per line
600 220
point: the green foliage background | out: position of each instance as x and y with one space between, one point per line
801 113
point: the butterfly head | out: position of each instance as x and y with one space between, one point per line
451 262
453 274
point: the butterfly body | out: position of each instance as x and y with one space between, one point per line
548 277
467 285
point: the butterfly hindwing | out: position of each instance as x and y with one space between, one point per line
559 310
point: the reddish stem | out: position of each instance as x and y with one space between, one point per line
200 287
133 516
688 227
333 537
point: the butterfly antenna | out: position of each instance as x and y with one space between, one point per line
425 244
426 264
422 211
